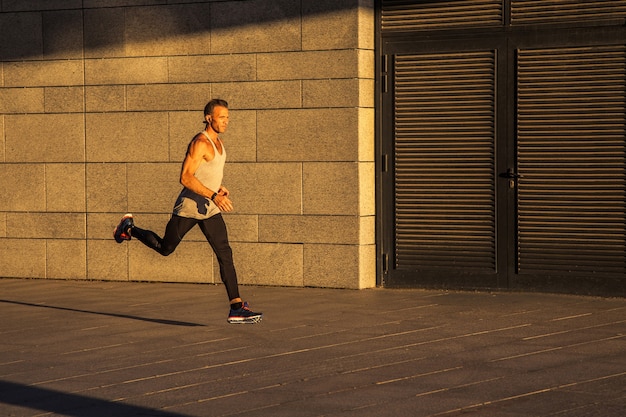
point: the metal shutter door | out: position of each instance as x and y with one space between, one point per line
558 11
444 161
571 148
398 15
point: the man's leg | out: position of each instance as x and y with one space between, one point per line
214 230
176 229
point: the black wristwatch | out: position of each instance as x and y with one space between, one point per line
213 196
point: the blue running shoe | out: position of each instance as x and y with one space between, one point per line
122 231
244 315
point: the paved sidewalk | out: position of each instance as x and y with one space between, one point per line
113 349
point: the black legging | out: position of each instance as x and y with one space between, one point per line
214 230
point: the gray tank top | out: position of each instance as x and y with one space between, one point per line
210 174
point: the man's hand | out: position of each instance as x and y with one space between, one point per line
223 203
223 191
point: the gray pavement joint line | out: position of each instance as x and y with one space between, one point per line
461 336
519 313
573 330
369 368
290 352
95 348
343 330
537 352
13 362
430 341
577 316
437 391
130 381
212 382
217 397
405 378
528 394
469 384
230 363
275 355
408 308
202 368
353 388
123 368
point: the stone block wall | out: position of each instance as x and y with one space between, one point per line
99 99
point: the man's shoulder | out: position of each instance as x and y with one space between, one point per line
200 145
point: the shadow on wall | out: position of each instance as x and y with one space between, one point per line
92 30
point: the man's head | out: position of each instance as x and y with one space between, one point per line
216 115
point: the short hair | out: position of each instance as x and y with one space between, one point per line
208 109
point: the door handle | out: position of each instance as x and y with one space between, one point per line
510 174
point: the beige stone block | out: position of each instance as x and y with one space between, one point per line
22 258
268 264
43 73
308 135
367 230
367 189
330 24
167 97
260 95
127 137
308 65
153 188
167 30
65 187
110 98
66 259
3 225
212 68
62 141
120 3
340 266
101 225
367 25
46 225
37 5
331 188
367 138
366 65
191 262
64 99
183 127
21 36
2 141
255 26
240 140
242 228
104 31
338 93
106 188
264 188
22 187
147 70
309 229
351 23
63 34
107 260
21 100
